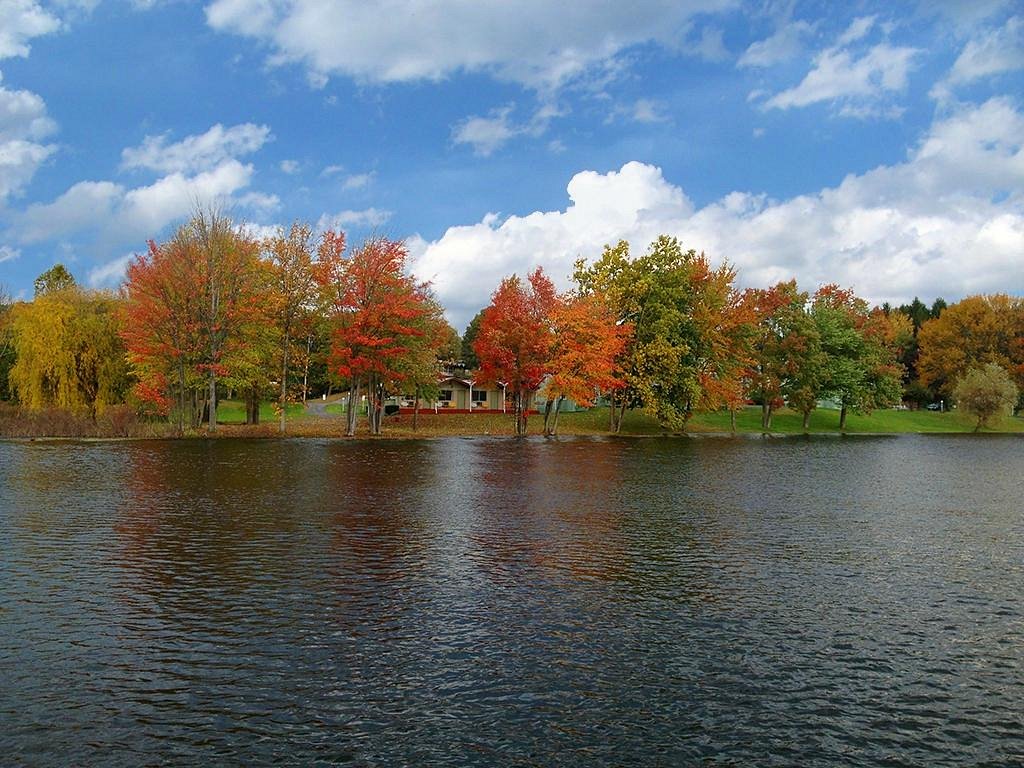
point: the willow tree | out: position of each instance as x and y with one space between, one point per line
68 352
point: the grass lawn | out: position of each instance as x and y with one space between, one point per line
233 412
595 422
885 421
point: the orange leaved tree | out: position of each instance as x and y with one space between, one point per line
515 339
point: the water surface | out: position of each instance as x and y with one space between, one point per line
603 602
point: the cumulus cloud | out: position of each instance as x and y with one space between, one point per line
128 215
369 217
110 274
20 21
196 153
8 254
23 125
536 43
784 45
948 221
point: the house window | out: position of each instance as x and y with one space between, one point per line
479 397
445 396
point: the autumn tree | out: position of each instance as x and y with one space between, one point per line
985 393
68 351
688 331
787 363
187 303
377 311
969 334
294 293
586 346
515 340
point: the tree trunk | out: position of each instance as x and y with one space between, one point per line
767 414
284 379
807 420
611 412
732 419
842 418
621 416
765 422
416 410
350 415
558 410
213 400
181 397
305 369
547 418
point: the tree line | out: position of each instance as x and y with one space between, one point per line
213 312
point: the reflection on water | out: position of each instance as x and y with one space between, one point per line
818 601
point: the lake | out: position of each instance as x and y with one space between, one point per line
821 601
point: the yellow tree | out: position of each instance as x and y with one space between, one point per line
68 352
969 334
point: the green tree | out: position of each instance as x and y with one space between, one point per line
685 327
860 349
56 278
986 393
469 359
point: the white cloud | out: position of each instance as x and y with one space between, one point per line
290 167
486 134
128 215
8 254
23 124
648 111
358 181
784 45
259 231
991 52
858 86
948 221
369 217
196 153
858 28
537 43
20 21
109 274
710 47
331 170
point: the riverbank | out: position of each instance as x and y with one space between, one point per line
301 423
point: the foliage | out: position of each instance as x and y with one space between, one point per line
969 334
468 355
688 330
585 350
378 312
985 393
860 349
68 352
55 279
188 306
515 340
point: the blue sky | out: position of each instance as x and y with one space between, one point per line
873 144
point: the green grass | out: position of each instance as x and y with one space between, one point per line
822 420
595 422
233 412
